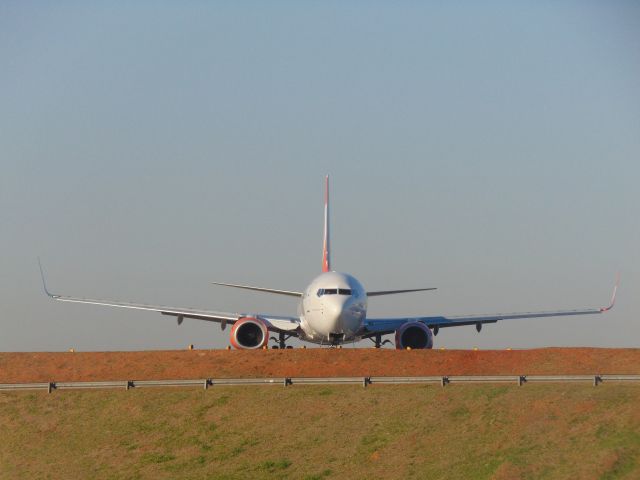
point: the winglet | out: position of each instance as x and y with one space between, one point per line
613 295
326 258
44 283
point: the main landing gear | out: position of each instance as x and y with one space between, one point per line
377 339
282 338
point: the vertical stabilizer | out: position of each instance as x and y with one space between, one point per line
326 259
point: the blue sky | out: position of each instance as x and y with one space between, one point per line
491 150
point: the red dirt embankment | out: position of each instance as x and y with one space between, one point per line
184 364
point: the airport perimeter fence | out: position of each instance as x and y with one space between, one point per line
207 383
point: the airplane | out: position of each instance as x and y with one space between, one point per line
332 310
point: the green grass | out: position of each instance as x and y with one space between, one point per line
552 431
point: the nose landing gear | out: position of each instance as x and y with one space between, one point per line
336 338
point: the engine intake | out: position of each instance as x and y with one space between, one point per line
249 333
415 335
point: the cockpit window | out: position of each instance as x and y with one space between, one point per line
334 291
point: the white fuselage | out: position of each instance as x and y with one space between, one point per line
333 308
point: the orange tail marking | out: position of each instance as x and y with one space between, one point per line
326 259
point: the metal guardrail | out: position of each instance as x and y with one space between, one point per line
206 383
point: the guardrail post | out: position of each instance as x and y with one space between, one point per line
366 381
206 383
50 387
287 382
444 381
521 380
597 380
128 385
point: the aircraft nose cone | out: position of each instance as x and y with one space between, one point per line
333 313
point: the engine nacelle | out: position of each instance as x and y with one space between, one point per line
249 333
415 335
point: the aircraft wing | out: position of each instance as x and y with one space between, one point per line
393 292
390 325
275 323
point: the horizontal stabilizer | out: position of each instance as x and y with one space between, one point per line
260 289
393 292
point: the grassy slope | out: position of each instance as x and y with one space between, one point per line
471 431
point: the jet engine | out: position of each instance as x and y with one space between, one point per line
249 333
415 335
